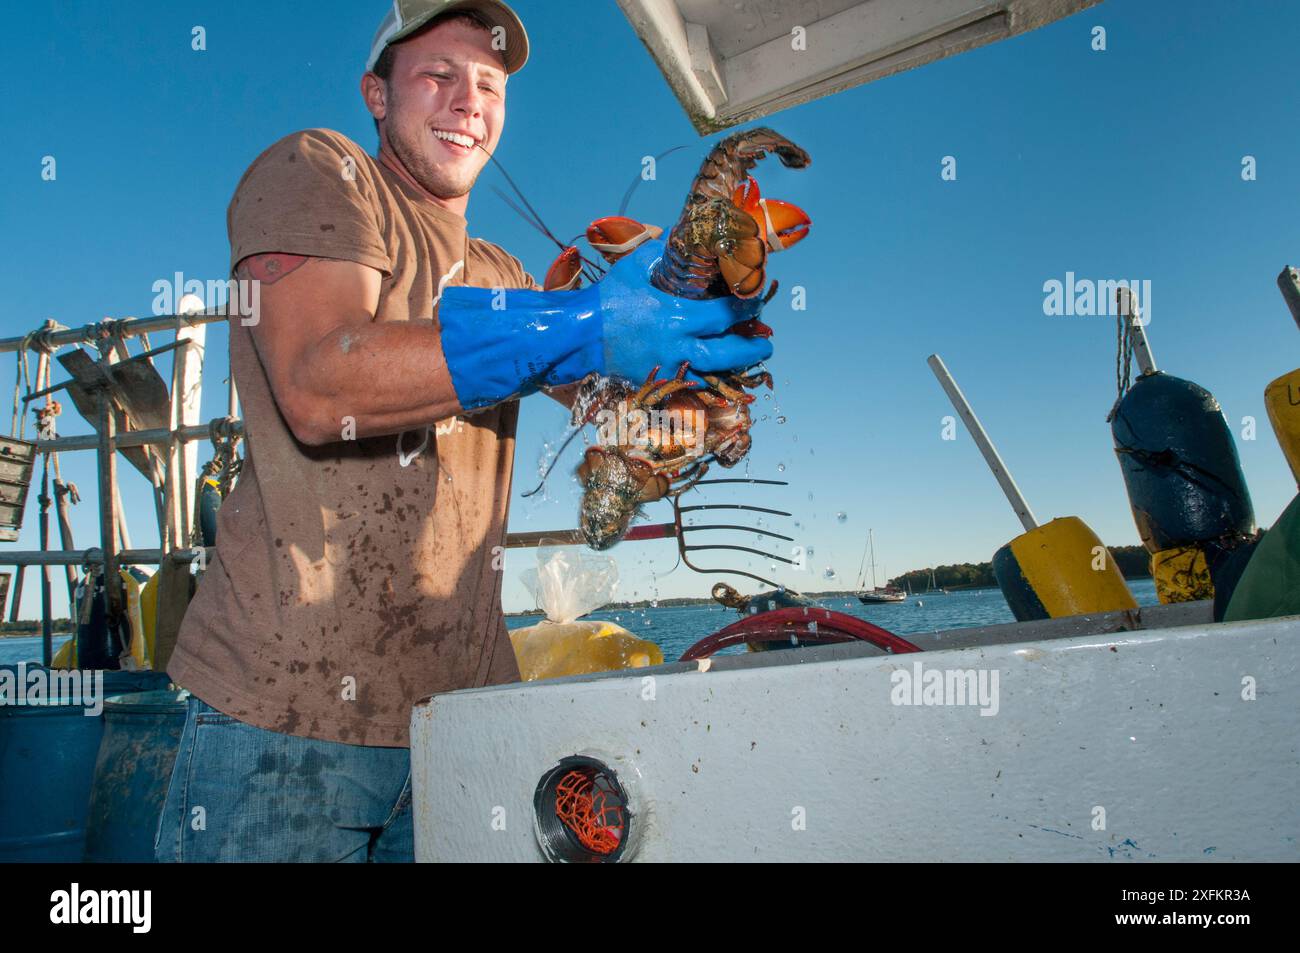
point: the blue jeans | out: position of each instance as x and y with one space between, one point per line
240 793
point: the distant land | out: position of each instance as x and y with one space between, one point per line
1133 561
25 628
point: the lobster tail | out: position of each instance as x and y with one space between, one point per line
719 246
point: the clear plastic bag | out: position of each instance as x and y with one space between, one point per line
568 583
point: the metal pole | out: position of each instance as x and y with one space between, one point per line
17 593
132 438
126 327
1289 283
47 620
149 557
990 453
107 511
88 557
61 493
1130 307
232 397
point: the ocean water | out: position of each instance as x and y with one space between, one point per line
676 628
25 649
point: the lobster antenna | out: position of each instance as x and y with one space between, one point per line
627 196
554 460
537 219
520 212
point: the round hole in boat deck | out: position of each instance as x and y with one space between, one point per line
580 813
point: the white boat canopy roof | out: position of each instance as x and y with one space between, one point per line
733 61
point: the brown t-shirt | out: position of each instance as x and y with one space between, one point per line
350 582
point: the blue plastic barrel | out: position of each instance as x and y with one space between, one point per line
48 749
141 735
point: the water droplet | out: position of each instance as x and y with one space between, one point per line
780 420
841 517
780 468
654 603
767 396
829 573
810 496
811 551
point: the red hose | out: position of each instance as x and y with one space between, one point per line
781 624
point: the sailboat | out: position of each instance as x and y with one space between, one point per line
875 595
932 587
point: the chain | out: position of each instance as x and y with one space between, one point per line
1123 360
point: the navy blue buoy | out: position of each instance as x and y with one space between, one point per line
1180 465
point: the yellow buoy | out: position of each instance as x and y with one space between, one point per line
1182 575
1282 398
1060 568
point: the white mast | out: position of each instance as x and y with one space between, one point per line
871 542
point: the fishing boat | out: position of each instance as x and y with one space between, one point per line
876 595
837 753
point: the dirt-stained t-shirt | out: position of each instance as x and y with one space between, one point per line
352 579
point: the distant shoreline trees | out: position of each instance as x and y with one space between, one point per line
1134 563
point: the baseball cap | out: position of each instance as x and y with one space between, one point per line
408 16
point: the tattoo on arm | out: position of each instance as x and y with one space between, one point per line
269 268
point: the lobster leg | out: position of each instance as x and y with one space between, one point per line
725 388
692 477
752 381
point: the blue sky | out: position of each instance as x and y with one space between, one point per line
1117 164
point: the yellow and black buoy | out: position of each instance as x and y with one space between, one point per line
1180 465
1051 570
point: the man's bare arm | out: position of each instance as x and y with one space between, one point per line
327 359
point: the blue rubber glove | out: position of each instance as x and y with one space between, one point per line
621 326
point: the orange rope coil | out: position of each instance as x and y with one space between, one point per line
593 814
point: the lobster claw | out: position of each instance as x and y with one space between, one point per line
616 235
565 273
747 198
783 223
751 328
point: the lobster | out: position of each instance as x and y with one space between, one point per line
659 437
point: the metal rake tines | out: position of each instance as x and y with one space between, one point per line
683 529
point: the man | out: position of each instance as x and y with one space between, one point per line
358 563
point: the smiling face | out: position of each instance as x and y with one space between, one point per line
442 106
